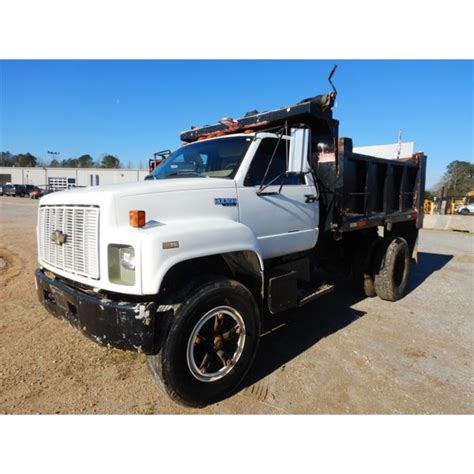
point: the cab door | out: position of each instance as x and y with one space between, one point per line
284 217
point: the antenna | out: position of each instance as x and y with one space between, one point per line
399 146
333 70
325 101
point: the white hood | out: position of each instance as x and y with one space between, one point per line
98 194
164 200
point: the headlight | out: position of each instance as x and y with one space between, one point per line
127 258
121 260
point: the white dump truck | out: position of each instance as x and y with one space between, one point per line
232 228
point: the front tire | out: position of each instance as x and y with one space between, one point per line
211 343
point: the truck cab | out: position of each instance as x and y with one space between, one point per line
281 218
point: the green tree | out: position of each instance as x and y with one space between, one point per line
110 161
85 161
459 178
54 163
6 159
26 159
69 163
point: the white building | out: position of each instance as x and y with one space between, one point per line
62 178
391 151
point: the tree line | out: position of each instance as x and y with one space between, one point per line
84 161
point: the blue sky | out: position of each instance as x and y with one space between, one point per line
134 108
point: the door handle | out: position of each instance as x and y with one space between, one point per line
309 198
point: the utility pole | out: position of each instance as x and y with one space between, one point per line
54 153
399 146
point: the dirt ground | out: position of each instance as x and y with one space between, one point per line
340 354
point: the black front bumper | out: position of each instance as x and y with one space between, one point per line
123 325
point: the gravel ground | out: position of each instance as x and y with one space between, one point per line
340 354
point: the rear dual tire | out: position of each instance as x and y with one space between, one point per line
391 279
385 268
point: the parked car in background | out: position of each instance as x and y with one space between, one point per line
30 187
7 189
1 189
33 190
41 191
465 209
18 190
36 193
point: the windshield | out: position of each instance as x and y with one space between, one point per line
214 158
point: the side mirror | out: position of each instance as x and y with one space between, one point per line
299 147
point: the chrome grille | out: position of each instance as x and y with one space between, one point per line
80 252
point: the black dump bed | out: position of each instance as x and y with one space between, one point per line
356 191
359 191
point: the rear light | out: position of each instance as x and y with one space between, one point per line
136 218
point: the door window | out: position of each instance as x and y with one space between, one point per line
261 160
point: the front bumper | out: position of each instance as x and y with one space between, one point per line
120 324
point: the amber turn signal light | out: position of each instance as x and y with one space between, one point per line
136 218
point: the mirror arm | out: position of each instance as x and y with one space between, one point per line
262 187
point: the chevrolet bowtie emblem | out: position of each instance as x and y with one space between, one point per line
58 237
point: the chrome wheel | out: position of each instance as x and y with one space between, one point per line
216 344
